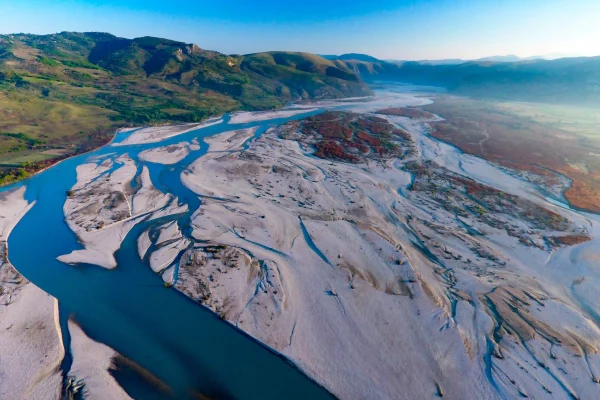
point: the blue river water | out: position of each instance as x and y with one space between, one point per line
184 345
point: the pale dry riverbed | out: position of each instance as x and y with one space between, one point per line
411 273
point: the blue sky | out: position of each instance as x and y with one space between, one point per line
389 29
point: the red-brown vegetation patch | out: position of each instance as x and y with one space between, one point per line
352 137
522 144
401 133
584 191
329 124
353 145
464 196
328 129
370 140
499 201
378 126
571 240
331 150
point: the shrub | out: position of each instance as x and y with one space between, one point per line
47 61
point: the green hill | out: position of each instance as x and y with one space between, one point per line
65 93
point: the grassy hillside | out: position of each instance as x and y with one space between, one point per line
66 93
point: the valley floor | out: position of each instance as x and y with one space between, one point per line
384 263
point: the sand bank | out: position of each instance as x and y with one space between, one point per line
158 133
102 211
31 344
246 117
167 154
231 140
91 364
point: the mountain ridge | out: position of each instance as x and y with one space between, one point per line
68 92
351 56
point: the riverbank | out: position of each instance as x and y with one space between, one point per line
148 134
29 333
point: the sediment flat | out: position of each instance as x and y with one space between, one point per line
326 262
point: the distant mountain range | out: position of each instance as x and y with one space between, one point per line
506 58
564 80
449 61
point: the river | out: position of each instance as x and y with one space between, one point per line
183 344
